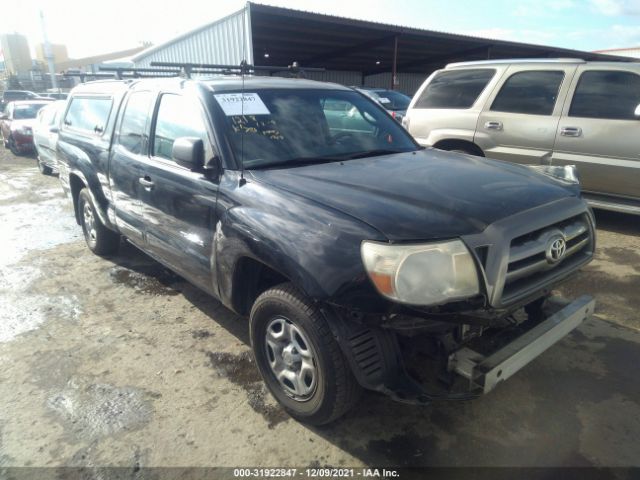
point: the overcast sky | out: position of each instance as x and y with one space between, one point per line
90 27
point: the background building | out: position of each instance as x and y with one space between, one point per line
121 58
59 52
625 52
352 52
17 56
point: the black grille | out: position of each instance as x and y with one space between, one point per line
530 268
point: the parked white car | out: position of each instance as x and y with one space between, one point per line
45 139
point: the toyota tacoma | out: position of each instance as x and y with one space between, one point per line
362 260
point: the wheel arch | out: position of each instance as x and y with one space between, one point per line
458 144
250 278
76 184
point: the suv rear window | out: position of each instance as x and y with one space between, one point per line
89 114
455 89
606 94
533 93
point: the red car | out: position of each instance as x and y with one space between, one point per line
16 125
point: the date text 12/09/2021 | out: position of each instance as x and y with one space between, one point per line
313 473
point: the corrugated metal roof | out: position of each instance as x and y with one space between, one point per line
335 43
225 41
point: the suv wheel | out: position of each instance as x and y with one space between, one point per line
99 238
298 357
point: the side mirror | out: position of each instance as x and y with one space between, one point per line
54 130
4 116
636 112
188 152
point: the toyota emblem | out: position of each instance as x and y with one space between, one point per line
556 248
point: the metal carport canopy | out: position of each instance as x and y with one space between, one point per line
337 43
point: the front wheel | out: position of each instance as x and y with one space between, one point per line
13 147
99 238
299 358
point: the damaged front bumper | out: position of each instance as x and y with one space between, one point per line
486 371
377 358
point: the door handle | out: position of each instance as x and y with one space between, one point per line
146 183
571 131
493 125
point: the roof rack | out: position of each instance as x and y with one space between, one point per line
171 69
186 69
515 60
139 72
83 75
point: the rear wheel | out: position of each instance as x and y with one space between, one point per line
99 238
299 358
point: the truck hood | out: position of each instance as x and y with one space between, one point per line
428 194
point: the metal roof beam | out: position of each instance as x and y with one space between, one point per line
431 60
343 52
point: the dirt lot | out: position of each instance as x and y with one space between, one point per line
120 362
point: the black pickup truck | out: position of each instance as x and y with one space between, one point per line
361 259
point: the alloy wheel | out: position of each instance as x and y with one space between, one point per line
89 223
291 358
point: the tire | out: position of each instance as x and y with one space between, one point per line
12 146
322 393
43 168
99 238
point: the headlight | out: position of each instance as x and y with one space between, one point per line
426 274
565 173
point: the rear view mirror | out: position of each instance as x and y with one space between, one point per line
636 112
188 152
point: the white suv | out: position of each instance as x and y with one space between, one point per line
544 112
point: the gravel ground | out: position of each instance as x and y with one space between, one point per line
120 362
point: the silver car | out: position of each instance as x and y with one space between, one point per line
45 136
543 112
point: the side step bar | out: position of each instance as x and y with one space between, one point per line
487 372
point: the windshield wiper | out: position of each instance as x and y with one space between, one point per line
303 161
299 162
372 153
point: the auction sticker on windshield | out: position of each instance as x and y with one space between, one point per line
241 104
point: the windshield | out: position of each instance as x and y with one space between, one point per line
390 99
23 112
285 127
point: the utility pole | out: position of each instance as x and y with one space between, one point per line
47 53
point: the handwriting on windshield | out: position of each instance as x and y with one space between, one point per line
250 124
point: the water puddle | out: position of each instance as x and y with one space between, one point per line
240 369
147 279
35 216
99 410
